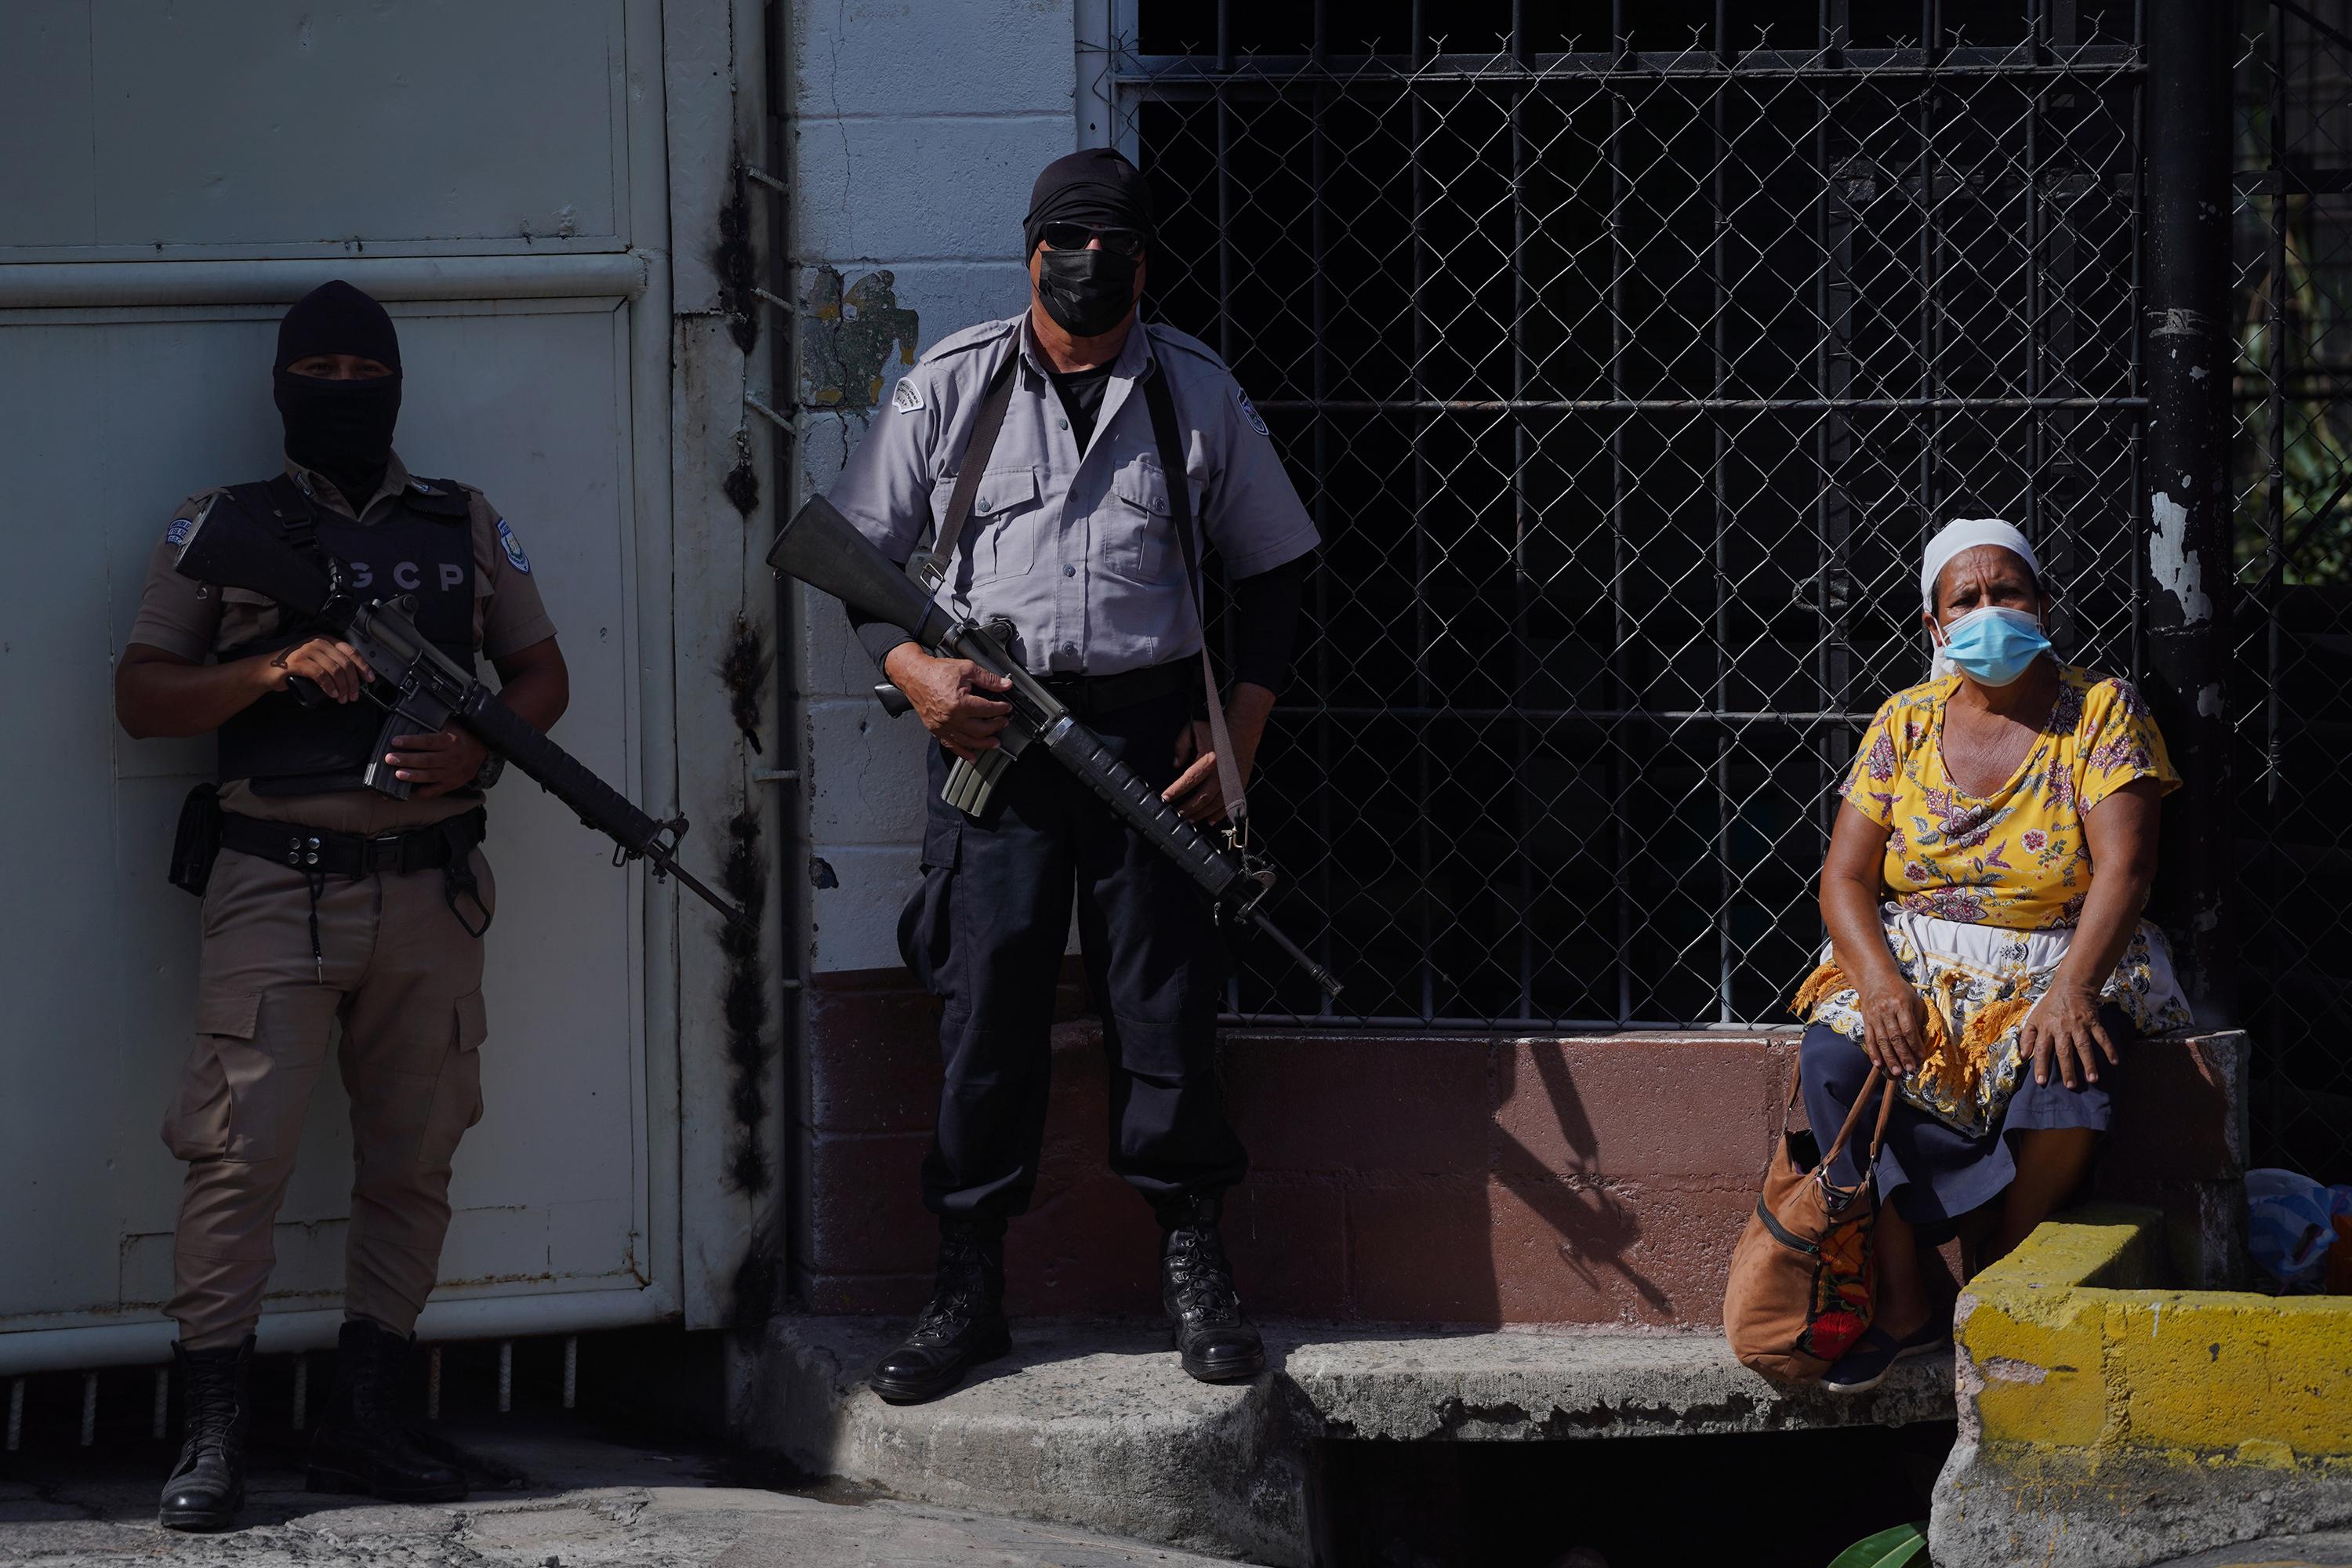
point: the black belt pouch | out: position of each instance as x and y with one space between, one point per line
197 844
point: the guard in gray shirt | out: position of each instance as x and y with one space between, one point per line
1069 544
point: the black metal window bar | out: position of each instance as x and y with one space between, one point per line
1626 354
2291 680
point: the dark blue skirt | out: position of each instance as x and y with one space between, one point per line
1931 1173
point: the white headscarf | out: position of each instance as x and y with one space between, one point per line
1967 534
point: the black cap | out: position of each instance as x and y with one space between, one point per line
1098 186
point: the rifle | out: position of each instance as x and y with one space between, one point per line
825 549
420 688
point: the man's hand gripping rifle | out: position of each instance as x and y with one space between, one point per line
420 689
823 549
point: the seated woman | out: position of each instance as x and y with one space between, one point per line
1983 895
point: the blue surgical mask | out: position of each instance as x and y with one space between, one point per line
1991 646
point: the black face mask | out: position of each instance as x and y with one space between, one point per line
341 428
1088 293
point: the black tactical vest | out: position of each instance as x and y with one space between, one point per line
422 549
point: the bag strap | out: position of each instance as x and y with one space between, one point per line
986 426
1854 1119
1162 401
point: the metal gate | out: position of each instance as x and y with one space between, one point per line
2294 635
1628 354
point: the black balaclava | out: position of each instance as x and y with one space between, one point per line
1088 291
341 428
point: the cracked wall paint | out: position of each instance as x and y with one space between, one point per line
847 334
2173 566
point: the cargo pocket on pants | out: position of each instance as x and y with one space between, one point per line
458 1093
202 1122
923 923
249 1075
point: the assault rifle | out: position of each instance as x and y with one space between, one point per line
420 688
825 549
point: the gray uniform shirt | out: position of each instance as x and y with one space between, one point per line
1079 553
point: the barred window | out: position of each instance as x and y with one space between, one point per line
1626 370
2292 669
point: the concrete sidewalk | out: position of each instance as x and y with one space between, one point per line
567 1501
1096 1426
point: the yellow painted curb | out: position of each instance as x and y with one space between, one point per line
2074 1350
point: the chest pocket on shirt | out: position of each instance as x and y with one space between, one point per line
1139 534
1001 534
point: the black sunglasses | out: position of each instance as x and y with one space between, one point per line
1076 235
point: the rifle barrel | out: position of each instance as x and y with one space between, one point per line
670 868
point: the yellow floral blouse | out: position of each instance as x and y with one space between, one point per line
2017 858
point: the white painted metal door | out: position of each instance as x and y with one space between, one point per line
494 172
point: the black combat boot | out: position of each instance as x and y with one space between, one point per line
961 1326
1196 1285
208 1486
361 1445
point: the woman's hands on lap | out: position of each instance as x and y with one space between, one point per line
2064 1028
1893 1025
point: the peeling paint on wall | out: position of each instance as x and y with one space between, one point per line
2171 563
745 676
737 266
745 1006
846 336
741 485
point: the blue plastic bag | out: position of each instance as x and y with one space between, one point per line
2288 1231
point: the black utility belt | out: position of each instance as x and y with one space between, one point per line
328 853
1087 695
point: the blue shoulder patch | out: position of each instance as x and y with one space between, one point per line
1250 413
513 547
177 534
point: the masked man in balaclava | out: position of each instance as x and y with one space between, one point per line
1048 461
329 901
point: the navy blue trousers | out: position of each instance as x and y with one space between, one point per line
986 932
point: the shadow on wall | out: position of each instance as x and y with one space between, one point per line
1596 1227
1417 1180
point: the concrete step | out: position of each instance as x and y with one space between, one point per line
1093 1425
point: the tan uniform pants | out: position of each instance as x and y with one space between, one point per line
406 980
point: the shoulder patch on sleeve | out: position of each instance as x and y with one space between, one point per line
1249 411
190 519
905 398
513 547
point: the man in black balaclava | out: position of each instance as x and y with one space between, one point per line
1077 441
338 388
334 901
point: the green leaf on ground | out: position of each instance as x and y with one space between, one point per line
1904 1546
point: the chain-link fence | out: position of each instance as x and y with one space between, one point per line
1626 373
2292 684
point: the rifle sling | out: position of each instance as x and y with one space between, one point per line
977 452
1168 436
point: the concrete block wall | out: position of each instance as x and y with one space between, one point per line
916 130
1598 1180
1395 1179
